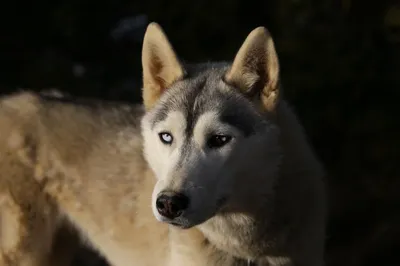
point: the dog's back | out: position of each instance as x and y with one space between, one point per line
66 161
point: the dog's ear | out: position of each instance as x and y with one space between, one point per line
255 69
161 67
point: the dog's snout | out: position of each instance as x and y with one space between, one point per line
171 204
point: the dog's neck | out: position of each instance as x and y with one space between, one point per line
246 236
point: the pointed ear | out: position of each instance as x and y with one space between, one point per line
161 66
255 69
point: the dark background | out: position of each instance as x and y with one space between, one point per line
340 64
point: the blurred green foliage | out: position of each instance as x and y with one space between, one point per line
340 64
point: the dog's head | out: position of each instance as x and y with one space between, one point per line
207 135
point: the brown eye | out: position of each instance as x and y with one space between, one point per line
166 138
217 141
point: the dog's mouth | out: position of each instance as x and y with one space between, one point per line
180 225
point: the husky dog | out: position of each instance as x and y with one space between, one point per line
214 169
229 155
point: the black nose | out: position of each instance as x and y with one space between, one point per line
171 204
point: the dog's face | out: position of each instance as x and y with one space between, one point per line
204 134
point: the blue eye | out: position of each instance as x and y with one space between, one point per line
166 138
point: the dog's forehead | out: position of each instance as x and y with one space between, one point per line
201 91
206 92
